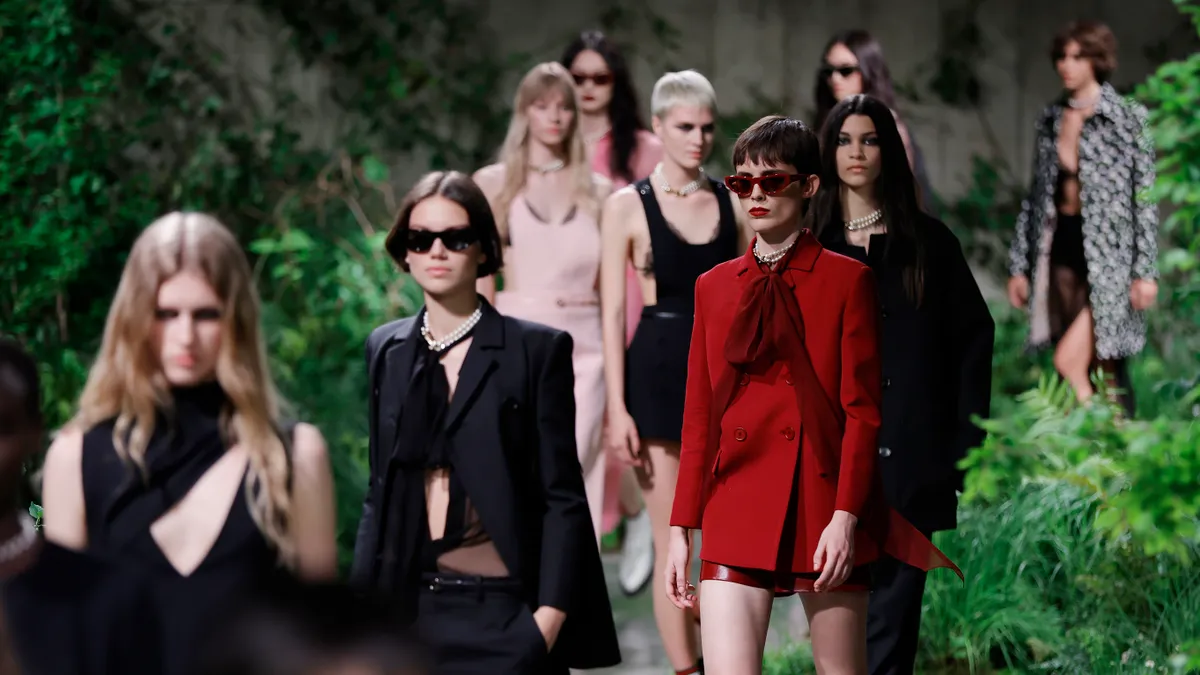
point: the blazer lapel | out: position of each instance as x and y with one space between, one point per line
478 364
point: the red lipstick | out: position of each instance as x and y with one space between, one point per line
758 212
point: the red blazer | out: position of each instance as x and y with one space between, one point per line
809 412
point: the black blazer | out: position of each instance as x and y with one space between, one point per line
513 413
937 371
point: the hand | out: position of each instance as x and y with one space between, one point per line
834 558
622 438
680 590
1018 291
1143 293
549 620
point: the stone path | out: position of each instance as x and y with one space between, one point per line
641 651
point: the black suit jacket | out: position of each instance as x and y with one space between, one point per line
937 371
511 425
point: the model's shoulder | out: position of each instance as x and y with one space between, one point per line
383 333
721 274
489 176
837 263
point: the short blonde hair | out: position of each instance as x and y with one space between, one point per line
686 87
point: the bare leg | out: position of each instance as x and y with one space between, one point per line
838 622
1074 352
676 627
734 620
630 495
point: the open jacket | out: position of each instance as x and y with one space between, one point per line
511 423
1120 228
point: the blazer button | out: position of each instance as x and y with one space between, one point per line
788 433
887 382
788 380
739 434
885 451
745 380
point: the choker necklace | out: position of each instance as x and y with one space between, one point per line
1079 104
457 335
683 191
772 257
549 167
597 135
21 542
864 222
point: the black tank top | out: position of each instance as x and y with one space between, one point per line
676 263
121 506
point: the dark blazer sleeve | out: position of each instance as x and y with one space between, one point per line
364 542
567 523
973 333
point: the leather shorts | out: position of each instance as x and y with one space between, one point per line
783 583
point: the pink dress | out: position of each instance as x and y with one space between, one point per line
550 275
647 155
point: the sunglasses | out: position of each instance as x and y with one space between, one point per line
458 239
600 79
827 71
771 184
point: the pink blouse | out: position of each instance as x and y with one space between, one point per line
645 157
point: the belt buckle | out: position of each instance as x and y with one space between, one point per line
435 585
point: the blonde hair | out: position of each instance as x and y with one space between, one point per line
542 80
126 382
686 87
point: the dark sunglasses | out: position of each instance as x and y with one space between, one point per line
458 239
600 79
827 71
771 184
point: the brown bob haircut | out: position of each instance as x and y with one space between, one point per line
1096 44
776 139
460 189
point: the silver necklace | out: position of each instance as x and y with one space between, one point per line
772 257
549 167
864 222
683 191
454 337
22 541
1078 104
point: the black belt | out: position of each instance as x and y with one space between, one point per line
462 583
649 313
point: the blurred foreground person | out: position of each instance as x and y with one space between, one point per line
63 612
297 629
475 518
178 463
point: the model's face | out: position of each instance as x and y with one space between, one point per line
858 157
1075 70
842 72
593 81
444 253
188 329
776 199
550 119
687 134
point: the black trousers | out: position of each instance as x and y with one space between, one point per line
474 628
894 617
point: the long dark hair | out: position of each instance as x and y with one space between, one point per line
623 110
895 191
876 79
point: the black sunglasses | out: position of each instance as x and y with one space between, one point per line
827 71
457 239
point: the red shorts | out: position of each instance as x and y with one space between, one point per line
783 583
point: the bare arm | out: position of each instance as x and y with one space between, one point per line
614 254
490 180
314 512
62 491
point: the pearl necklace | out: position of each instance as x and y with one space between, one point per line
22 542
550 167
772 257
455 336
1083 105
683 191
864 222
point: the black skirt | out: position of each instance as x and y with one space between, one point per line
656 371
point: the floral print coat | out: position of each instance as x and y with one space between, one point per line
1120 227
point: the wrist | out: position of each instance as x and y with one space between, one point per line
845 517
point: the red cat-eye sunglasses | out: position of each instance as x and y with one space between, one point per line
772 183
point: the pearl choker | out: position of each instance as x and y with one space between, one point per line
864 222
550 167
772 257
464 329
683 191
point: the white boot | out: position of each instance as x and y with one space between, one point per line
637 563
